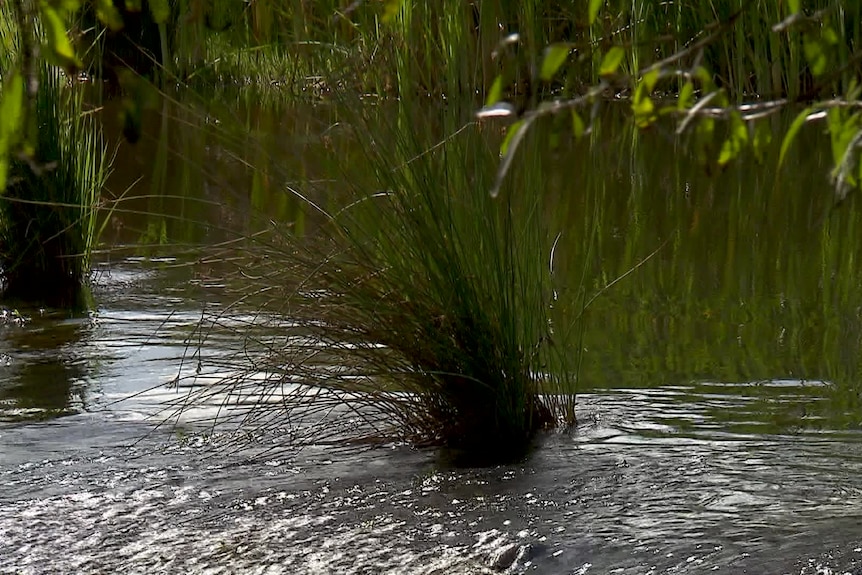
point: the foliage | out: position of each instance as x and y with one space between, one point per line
33 34
701 65
424 310
48 218
424 293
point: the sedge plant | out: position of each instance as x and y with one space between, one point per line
422 309
48 212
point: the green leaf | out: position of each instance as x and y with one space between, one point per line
510 133
829 35
686 96
794 6
160 11
594 7
56 41
762 140
842 131
11 107
554 140
66 6
555 55
578 127
650 79
510 144
391 9
611 61
133 5
705 78
495 94
735 142
703 134
108 14
791 134
644 111
815 55
642 105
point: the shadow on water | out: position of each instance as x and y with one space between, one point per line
44 377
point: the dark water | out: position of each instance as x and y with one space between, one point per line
719 429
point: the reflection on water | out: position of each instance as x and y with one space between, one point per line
720 432
42 377
625 493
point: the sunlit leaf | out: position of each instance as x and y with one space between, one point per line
829 35
735 141
793 6
578 127
510 133
11 107
843 130
790 135
642 105
686 96
650 79
815 55
66 6
555 55
108 14
495 94
391 9
705 78
594 7
160 11
56 41
510 144
644 111
611 61
133 5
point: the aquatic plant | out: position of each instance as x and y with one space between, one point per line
48 212
453 48
422 310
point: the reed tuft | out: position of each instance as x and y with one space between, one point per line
48 210
421 311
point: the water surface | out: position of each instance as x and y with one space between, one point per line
719 425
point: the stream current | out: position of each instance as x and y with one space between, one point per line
674 479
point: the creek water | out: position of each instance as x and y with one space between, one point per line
719 424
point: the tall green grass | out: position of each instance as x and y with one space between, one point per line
48 212
421 309
452 48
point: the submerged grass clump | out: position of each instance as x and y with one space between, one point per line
48 210
420 311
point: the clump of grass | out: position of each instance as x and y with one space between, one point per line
421 311
48 210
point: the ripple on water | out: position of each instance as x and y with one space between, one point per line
623 493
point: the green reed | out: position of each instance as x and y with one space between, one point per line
451 47
420 306
48 212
